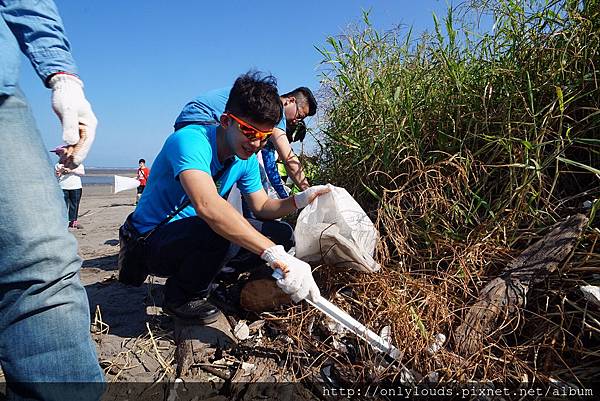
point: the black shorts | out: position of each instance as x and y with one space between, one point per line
140 189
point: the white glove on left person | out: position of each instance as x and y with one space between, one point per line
76 115
304 198
297 281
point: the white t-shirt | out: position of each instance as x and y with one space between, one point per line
72 180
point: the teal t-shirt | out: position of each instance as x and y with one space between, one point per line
193 147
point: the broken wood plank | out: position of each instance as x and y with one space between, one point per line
502 298
196 343
263 295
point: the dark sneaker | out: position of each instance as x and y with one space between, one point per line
199 310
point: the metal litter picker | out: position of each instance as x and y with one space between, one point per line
351 324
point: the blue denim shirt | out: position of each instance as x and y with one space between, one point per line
34 27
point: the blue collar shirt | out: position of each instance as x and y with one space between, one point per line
34 28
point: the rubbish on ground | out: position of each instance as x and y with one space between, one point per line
241 330
350 323
386 334
437 344
591 293
257 325
355 327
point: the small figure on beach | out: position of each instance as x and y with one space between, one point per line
70 183
143 173
46 349
191 245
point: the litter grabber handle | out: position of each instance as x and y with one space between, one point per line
349 323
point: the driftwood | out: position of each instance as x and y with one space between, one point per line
197 343
263 295
501 299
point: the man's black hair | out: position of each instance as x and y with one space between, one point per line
254 96
304 96
141 161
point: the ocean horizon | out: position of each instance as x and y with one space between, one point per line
105 175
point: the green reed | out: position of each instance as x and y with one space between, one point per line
509 116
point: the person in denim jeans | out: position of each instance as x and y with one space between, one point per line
46 351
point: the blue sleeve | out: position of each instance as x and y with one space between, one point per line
249 181
40 33
270 164
188 149
282 123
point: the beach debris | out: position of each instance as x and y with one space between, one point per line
591 293
432 377
256 325
330 375
173 396
349 323
386 334
284 338
503 297
311 324
241 330
354 326
248 368
334 327
98 326
338 345
437 344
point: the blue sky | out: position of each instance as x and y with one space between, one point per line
141 61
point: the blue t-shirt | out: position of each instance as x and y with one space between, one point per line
191 148
208 108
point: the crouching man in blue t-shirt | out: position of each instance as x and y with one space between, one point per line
202 163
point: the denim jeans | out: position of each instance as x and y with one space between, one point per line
191 254
45 343
72 198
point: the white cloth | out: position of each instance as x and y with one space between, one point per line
72 180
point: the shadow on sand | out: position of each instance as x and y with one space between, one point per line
125 309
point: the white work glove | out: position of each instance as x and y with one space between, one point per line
297 280
304 198
75 114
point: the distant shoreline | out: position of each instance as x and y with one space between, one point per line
128 172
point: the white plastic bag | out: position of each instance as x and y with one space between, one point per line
334 228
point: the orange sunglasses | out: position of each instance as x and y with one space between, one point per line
249 131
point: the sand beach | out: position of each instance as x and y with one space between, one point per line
135 340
